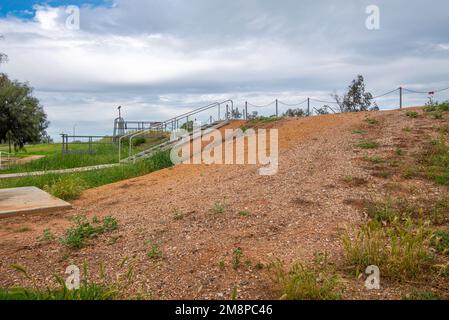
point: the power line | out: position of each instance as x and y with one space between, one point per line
386 93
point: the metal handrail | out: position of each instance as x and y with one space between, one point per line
120 144
166 123
136 134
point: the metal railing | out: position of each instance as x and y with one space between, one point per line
309 104
173 124
88 141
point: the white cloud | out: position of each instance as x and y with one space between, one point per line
154 56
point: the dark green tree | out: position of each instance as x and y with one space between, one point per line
356 99
22 118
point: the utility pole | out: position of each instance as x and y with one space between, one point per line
400 97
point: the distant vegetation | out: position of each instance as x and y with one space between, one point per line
356 99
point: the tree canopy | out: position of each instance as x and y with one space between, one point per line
22 118
356 99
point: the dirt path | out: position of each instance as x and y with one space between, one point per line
292 215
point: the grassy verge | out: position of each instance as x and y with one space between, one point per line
70 186
88 288
54 159
89 291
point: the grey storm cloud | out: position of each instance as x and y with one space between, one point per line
159 56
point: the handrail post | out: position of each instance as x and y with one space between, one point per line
227 112
246 110
400 97
308 107
277 109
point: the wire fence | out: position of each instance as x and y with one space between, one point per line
313 106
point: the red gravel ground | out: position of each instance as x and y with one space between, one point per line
292 215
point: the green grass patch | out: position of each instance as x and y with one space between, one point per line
412 114
90 179
236 257
84 230
421 295
437 106
87 291
441 241
299 282
368 144
67 187
436 162
400 250
244 213
371 121
373 159
154 252
105 153
219 207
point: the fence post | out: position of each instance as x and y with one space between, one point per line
246 110
277 109
400 97
308 107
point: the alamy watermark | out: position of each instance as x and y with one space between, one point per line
372 281
73 20
72 282
372 22
262 147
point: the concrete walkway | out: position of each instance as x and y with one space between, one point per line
61 171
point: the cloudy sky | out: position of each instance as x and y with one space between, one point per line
157 57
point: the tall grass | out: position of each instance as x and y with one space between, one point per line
316 282
400 250
89 291
103 154
436 162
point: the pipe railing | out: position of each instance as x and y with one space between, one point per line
174 122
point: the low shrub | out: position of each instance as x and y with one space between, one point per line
67 187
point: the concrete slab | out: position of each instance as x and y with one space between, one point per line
28 200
